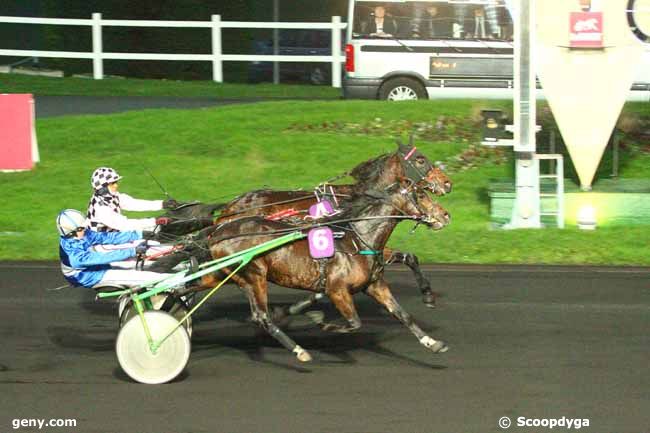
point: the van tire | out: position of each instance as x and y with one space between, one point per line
402 89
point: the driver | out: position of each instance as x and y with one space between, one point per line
105 213
83 266
106 204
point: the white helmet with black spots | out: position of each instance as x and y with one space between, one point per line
69 221
103 176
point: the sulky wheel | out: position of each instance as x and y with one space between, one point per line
178 309
136 358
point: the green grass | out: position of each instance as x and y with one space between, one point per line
16 83
215 154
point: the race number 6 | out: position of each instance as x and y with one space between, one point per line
321 242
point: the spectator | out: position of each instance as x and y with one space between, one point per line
380 24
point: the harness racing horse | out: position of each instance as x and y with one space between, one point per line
368 222
382 171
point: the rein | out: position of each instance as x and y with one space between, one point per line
261 206
311 226
336 222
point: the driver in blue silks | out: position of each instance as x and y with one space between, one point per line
82 266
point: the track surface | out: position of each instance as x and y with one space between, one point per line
534 342
52 106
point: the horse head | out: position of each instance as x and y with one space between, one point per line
415 202
420 170
437 181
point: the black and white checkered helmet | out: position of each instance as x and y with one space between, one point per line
103 176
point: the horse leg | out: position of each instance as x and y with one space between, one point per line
411 260
381 293
280 313
342 300
256 288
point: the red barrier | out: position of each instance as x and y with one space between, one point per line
18 146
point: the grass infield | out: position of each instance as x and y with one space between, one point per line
215 154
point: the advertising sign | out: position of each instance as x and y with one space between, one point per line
447 66
586 89
18 147
586 30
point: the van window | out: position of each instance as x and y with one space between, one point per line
432 20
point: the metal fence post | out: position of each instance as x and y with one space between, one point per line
276 41
336 51
217 64
98 66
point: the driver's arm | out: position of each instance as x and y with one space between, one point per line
113 238
129 203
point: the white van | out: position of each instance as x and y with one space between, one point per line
404 49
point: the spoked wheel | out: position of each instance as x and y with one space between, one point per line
402 89
178 310
136 358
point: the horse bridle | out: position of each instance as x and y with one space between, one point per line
410 193
411 171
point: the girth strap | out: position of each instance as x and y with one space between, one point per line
321 284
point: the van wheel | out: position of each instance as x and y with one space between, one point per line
402 89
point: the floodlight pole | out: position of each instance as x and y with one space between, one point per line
526 211
276 45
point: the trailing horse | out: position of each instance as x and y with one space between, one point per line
356 266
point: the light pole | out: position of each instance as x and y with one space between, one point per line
526 211
276 47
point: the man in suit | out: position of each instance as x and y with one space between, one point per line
380 24
432 25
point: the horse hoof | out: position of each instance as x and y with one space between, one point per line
318 317
302 354
339 329
429 299
278 314
440 347
436 346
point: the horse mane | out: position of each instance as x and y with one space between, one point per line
371 169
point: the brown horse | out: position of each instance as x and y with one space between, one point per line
380 172
368 223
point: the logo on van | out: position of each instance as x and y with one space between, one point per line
443 65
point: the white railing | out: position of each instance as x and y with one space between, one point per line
216 57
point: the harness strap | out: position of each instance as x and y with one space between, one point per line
369 252
377 270
321 284
139 262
